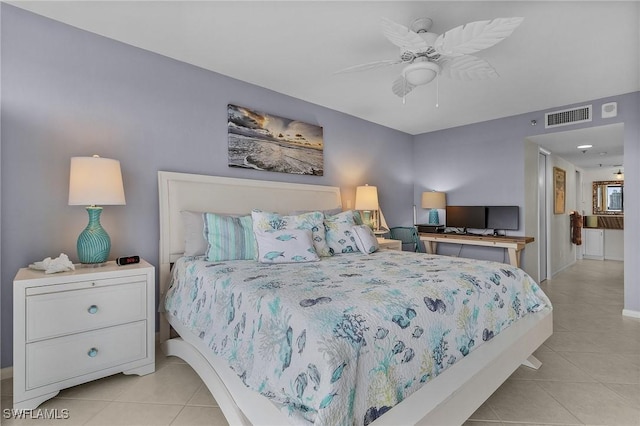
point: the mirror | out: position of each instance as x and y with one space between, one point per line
608 197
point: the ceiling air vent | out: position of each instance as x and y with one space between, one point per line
568 116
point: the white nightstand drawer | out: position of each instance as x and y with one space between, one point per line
54 360
65 312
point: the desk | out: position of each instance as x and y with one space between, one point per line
514 245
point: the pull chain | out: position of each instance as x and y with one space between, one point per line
404 90
437 90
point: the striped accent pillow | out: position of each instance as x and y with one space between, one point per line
229 237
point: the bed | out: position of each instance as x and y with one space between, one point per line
448 398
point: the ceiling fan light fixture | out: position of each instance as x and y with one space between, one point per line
421 72
429 38
421 25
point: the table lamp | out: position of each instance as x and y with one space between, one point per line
367 202
434 200
92 181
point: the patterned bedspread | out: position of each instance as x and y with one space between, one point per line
341 341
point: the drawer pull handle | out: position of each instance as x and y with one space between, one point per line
92 309
93 352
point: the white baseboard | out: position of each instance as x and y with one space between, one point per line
6 373
630 313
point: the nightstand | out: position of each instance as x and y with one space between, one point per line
388 244
73 327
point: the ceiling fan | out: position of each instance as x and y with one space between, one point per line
426 54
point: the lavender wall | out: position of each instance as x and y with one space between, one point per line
484 164
69 93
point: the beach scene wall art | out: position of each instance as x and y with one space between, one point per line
267 142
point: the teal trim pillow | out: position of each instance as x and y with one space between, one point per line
286 246
313 221
338 232
229 237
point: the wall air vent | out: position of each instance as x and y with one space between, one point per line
568 116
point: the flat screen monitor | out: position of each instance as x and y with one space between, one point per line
466 217
503 217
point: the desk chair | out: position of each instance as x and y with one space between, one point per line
409 236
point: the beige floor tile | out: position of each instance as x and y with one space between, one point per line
593 403
196 416
572 341
554 367
485 412
172 384
629 392
129 414
619 342
606 368
543 348
594 323
526 401
482 423
581 341
203 398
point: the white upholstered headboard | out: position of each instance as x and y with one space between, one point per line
183 191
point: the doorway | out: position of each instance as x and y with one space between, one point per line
543 212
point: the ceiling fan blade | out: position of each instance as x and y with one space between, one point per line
475 36
402 36
401 86
369 66
468 67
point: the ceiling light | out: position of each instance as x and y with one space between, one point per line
619 175
584 146
421 72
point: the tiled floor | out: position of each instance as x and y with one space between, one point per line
590 372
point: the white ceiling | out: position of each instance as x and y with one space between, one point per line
563 52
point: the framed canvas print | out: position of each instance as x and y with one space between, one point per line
559 187
267 142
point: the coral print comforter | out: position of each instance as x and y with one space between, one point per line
342 340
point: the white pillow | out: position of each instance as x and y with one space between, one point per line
313 221
286 246
338 232
195 243
365 239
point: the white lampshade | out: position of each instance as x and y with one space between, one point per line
367 198
95 181
434 200
420 73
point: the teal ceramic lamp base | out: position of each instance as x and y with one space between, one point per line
434 219
94 243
